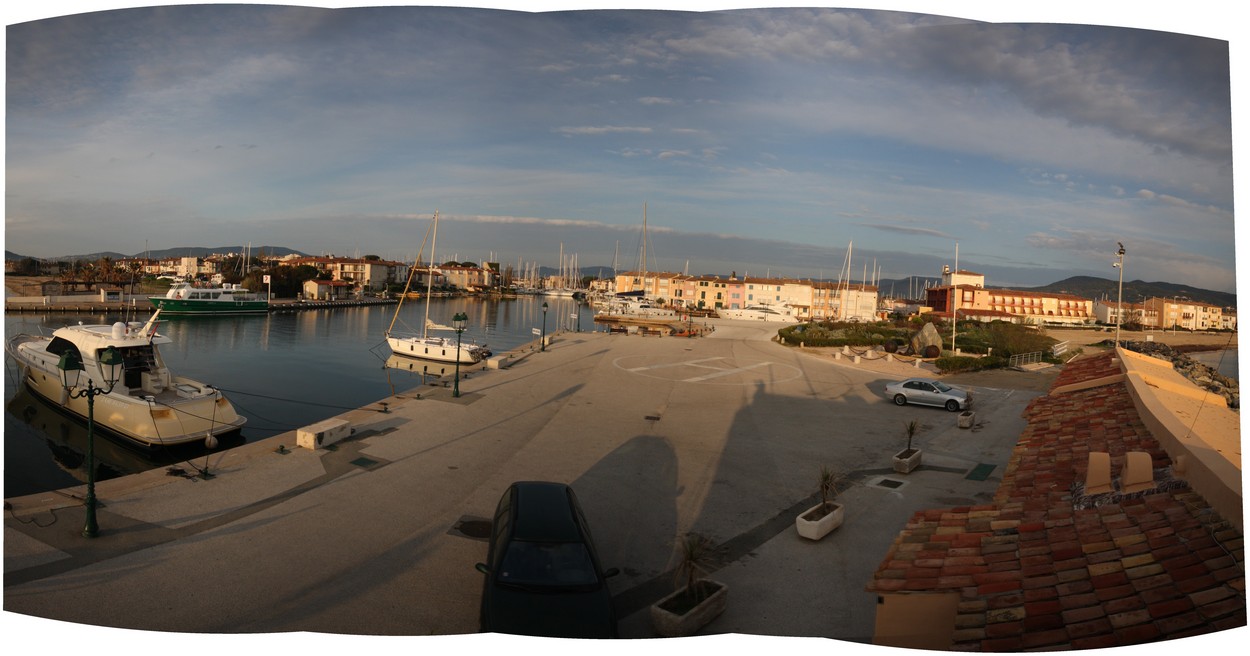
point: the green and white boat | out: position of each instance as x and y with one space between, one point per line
184 298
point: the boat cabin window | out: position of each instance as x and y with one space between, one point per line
60 345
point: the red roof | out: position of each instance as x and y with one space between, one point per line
1046 567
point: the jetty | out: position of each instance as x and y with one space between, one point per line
86 304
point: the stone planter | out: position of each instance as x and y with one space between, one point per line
813 526
669 624
906 460
967 418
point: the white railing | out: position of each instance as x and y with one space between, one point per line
1017 361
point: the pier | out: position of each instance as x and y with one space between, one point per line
89 305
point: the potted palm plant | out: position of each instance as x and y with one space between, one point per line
909 458
818 521
696 603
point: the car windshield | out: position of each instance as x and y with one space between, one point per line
554 564
942 387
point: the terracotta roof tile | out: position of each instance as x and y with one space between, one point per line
1048 567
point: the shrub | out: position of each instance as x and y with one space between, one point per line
961 363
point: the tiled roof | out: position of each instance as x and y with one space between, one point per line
1046 567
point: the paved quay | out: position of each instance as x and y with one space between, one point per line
378 534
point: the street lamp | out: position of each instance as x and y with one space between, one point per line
1119 301
71 368
542 344
458 322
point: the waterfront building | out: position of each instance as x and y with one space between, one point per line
327 290
468 278
1169 313
1106 312
848 301
369 273
975 301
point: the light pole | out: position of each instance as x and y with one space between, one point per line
458 322
1119 301
542 342
71 368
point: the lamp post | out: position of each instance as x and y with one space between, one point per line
458 322
542 342
1119 301
71 368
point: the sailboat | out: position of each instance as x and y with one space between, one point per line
426 346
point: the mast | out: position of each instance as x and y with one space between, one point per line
429 281
411 272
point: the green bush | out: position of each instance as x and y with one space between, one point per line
961 363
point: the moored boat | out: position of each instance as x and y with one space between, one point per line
184 298
148 405
425 345
783 314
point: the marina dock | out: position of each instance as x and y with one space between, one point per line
91 305
721 434
378 533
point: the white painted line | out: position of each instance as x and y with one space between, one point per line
674 364
726 372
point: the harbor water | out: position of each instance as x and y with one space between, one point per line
282 371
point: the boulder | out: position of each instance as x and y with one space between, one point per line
925 337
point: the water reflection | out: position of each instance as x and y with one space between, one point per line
65 438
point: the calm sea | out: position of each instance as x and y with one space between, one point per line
1224 361
281 371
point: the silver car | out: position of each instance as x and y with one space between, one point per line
926 391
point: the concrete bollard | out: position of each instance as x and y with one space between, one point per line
322 433
856 360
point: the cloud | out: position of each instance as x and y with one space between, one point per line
602 129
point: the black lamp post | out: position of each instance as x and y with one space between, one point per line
71 368
458 322
542 345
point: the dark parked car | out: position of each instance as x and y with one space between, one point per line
542 572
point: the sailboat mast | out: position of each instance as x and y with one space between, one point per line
429 282
411 272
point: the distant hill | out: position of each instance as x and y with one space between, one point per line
1084 286
191 251
1134 292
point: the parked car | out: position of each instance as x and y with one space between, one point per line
542 571
926 391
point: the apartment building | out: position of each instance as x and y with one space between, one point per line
368 273
966 290
810 300
1166 313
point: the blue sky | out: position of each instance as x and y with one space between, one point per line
762 141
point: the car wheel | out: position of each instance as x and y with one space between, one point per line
899 399
952 405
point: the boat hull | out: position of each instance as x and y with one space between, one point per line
436 349
185 307
141 422
183 411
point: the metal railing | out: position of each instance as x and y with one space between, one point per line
1017 361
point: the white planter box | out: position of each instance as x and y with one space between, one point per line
815 529
967 418
671 625
904 464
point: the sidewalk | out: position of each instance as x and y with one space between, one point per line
659 436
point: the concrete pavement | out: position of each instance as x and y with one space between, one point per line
378 534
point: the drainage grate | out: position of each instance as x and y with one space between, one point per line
653 417
886 482
364 463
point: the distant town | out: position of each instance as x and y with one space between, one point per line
294 275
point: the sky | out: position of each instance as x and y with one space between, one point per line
761 141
